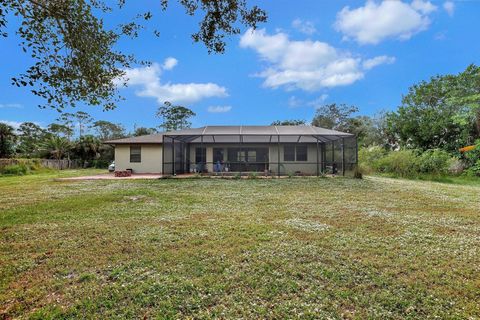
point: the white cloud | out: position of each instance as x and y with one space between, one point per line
307 65
148 79
169 63
294 102
375 21
372 63
16 124
425 7
449 6
11 105
306 27
219 109
319 101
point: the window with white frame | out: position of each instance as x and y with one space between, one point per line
135 154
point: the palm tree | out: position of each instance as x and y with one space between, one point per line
7 139
57 147
88 147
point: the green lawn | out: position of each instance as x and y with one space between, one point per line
210 248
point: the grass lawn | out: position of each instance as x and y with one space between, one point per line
209 248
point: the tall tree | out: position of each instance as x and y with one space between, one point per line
79 118
174 117
83 120
334 116
74 52
107 130
7 140
30 135
60 130
466 92
292 122
440 113
66 119
143 131
370 131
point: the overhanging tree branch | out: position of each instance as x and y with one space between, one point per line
75 57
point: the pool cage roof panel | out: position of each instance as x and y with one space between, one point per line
241 134
257 134
257 130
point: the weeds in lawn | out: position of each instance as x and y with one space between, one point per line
305 225
252 175
248 248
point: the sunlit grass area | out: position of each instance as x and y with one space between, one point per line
213 248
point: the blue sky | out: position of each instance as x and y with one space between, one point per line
365 53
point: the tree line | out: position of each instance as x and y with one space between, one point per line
79 136
435 119
442 113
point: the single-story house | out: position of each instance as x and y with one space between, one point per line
276 150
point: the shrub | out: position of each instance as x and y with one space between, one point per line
368 158
357 174
413 163
35 164
435 161
99 164
474 170
471 157
16 169
403 163
21 166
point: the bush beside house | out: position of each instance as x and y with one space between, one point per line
414 163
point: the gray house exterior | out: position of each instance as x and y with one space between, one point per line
273 150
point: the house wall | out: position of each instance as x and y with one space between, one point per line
307 167
151 159
290 167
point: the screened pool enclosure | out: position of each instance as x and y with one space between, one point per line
269 150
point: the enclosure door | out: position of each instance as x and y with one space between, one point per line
180 158
200 159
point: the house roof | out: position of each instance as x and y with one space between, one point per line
147 139
224 131
257 130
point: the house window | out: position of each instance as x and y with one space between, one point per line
252 156
295 153
135 154
241 156
247 155
289 153
301 153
